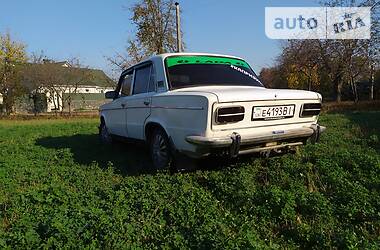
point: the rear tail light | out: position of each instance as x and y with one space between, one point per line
229 114
310 109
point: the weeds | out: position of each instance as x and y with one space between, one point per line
59 187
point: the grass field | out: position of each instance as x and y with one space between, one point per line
59 187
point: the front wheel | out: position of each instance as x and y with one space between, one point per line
160 149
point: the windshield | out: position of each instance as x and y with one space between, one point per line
188 71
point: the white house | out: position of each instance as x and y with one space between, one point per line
74 88
55 100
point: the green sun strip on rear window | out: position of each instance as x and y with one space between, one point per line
179 60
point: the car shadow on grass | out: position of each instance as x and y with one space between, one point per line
126 158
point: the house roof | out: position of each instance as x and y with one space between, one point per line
97 78
67 74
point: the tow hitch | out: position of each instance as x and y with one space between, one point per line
235 146
317 133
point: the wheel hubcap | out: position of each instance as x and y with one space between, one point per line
159 150
105 134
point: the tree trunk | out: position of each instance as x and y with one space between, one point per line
356 95
371 89
8 104
55 104
356 92
69 105
34 97
338 90
309 83
8 108
354 89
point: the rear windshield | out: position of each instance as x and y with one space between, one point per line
189 71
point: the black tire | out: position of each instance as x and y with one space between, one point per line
160 149
104 136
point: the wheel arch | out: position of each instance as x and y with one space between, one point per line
103 118
150 126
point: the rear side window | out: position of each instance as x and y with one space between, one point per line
126 85
144 80
152 80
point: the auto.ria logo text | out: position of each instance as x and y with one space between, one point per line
318 22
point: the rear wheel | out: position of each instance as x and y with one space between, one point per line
160 149
104 135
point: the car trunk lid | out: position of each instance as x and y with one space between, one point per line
248 93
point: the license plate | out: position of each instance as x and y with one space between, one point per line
273 112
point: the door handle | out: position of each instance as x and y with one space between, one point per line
123 105
146 103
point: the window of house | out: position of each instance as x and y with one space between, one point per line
126 85
144 80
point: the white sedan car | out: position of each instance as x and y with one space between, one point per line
200 104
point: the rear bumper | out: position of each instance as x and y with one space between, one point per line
235 141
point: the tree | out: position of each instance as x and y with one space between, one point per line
333 64
347 60
41 76
374 48
76 74
155 32
273 77
300 64
32 82
12 56
59 82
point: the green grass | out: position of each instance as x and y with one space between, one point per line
59 187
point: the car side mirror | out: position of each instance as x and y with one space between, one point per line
111 94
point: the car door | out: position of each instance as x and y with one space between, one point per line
139 104
117 113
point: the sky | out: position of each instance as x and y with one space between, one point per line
95 29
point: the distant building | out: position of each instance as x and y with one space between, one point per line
87 94
72 88
83 97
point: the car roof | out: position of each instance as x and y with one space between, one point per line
162 57
165 55
195 54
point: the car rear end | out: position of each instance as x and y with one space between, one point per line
261 126
247 117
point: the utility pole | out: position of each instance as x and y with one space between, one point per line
179 40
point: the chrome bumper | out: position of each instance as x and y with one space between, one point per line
234 141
